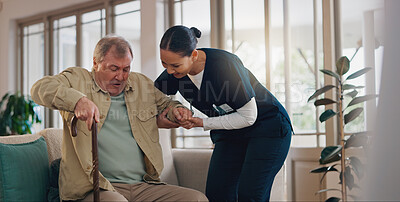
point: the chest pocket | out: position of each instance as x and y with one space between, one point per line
148 122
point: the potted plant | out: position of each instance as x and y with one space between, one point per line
346 166
18 114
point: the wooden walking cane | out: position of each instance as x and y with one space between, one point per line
74 133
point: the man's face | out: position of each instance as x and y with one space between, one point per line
111 74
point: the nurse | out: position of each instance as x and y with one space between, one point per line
250 129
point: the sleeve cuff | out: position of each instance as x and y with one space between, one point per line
68 99
207 124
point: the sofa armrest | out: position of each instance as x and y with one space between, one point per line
192 167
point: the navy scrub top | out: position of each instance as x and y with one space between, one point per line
226 86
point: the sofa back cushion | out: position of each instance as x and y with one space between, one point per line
53 137
24 170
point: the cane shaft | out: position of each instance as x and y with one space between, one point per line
96 190
74 133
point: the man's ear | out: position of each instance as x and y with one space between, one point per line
95 65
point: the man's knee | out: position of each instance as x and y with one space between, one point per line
193 195
106 196
178 193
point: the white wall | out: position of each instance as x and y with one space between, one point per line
383 176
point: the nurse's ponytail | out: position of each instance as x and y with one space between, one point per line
196 32
180 39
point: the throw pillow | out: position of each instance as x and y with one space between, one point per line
24 171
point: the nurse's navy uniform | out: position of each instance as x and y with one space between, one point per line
244 161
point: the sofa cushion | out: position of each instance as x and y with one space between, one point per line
168 174
54 193
192 167
24 171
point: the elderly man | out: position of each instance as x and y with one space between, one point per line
125 105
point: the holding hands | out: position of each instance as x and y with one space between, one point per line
87 111
183 117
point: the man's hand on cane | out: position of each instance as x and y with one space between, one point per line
86 110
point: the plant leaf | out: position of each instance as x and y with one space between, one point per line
356 140
325 190
3 99
330 73
18 115
352 94
327 115
352 115
324 101
333 199
349 177
324 169
350 86
320 91
358 73
361 99
342 65
357 166
330 154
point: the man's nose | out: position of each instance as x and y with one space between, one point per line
119 76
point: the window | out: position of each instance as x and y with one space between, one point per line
64 49
93 28
284 49
246 34
184 12
33 61
74 33
195 13
125 14
281 42
296 57
294 54
362 43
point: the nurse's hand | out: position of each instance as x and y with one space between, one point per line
182 116
163 122
197 122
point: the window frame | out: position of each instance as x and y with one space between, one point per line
331 38
48 19
331 41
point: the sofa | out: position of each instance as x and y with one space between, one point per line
25 166
182 167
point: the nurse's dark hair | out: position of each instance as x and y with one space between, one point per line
180 39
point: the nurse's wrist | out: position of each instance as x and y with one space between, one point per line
200 122
207 124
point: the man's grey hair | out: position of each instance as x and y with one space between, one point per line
102 47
